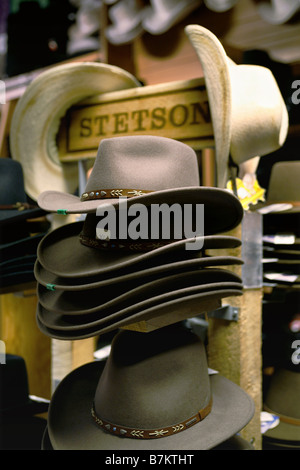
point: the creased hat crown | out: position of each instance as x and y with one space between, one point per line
145 163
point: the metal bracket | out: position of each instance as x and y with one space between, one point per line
227 312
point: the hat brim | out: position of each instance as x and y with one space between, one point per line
18 248
103 299
71 427
184 305
62 253
37 116
53 282
14 215
272 15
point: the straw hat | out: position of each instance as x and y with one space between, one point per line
37 116
154 393
248 113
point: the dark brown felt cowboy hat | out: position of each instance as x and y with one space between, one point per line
186 303
101 299
282 399
144 271
147 170
73 250
63 254
153 393
14 204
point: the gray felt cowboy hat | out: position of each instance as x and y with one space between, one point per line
147 170
136 400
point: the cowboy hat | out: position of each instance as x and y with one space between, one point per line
147 170
166 265
88 259
235 442
138 393
220 5
102 299
278 11
126 17
284 185
248 113
185 302
14 205
36 120
161 15
282 399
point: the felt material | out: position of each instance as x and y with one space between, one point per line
185 304
133 388
62 253
166 167
142 271
98 299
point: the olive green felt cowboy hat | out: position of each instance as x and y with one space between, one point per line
147 170
144 271
248 113
187 303
103 299
153 393
37 116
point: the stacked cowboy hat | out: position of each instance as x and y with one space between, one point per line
21 227
89 286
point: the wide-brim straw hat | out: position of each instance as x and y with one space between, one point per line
248 113
147 170
37 116
282 399
154 388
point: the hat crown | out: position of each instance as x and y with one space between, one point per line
11 182
143 162
153 380
283 394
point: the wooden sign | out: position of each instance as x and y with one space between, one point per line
177 110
